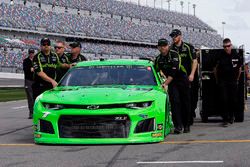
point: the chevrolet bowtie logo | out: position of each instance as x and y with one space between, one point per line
93 107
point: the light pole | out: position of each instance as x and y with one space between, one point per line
182 3
188 7
168 4
223 24
175 4
194 6
154 3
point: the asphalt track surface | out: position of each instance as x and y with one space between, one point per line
208 145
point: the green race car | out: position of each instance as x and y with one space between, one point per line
104 102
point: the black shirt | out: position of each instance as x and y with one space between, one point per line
61 71
46 63
169 64
27 65
79 58
228 66
187 54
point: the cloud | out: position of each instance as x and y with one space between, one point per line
236 23
242 6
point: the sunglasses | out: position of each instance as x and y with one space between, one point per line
226 46
58 47
45 44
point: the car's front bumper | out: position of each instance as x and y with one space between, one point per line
160 116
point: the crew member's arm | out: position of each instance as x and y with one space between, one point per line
175 67
246 71
45 77
194 68
63 65
39 71
240 63
194 64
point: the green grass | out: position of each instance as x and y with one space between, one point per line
10 94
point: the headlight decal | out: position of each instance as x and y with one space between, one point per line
50 106
138 105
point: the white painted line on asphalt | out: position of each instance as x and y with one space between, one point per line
181 162
11 86
28 144
20 107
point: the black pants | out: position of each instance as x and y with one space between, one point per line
179 95
39 88
29 93
228 92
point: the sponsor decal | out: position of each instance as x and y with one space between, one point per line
45 114
123 118
159 126
183 55
157 134
35 127
37 135
144 116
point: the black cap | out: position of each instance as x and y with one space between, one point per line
75 44
31 51
175 33
162 42
45 41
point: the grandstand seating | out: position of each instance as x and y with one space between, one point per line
20 16
131 10
31 17
12 58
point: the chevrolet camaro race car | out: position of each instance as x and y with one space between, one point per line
104 102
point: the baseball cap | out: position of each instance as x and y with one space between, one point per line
45 41
175 33
162 42
75 44
31 51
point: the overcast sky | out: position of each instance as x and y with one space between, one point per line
235 13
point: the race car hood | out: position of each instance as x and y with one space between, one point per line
101 95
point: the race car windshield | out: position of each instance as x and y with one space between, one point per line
109 75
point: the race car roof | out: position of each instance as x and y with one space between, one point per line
115 62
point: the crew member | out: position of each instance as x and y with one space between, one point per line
29 79
189 66
169 63
60 51
45 63
227 74
75 55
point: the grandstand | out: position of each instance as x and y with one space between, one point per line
107 28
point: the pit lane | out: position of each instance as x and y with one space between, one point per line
207 144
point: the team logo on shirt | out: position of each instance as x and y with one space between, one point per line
43 60
235 62
54 59
183 55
